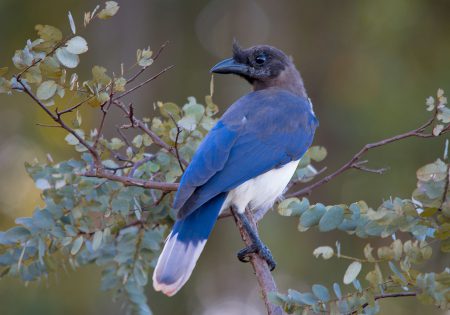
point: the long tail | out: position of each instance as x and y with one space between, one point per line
184 245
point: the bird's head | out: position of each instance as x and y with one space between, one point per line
262 66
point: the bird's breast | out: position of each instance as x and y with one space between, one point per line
261 192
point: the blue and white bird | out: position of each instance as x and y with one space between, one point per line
246 160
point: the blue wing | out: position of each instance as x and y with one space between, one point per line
261 131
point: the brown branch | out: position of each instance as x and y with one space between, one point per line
143 83
356 164
262 272
105 109
59 121
179 130
72 108
128 181
143 126
139 163
385 296
47 125
360 166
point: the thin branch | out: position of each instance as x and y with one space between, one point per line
158 201
143 126
105 109
263 275
139 163
37 61
72 108
297 181
179 130
128 181
143 83
385 296
122 135
58 120
359 166
354 161
47 125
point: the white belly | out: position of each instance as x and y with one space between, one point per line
262 191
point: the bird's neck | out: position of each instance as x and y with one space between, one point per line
289 79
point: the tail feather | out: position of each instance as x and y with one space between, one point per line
184 246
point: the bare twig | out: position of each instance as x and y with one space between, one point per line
128 181
143 126
360 166
59 121
179 130
160 199
139 163
47 125
143 83
297 181
262 272
72 108
354 161
37 61
122 135
385 296
105 109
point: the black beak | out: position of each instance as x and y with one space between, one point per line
230 66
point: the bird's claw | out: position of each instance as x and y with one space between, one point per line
260 249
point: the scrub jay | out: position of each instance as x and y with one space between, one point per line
245 161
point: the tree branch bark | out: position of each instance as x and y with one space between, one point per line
354 161
263 275
385 296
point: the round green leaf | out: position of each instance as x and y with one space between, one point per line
66 58
321 292
77 45
331 219
352 272
110 10
17 234
46 90
97 240
326 251
337 290
76 246
317 153
312 216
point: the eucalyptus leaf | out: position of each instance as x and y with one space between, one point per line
76 45
325 251
76 246
46 90
66 58
352 272
111 8
332 218
321 292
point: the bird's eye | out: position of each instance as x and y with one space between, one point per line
260 59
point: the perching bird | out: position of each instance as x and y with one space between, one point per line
246 160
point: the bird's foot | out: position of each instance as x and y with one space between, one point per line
257 248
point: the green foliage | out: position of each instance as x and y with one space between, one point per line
421 221
120 226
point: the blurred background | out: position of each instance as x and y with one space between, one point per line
368 67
